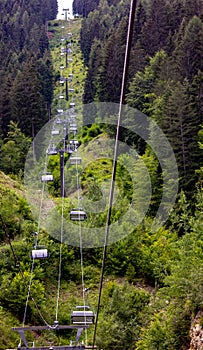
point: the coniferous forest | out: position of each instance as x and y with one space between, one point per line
152 296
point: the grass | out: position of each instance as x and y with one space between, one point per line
76 67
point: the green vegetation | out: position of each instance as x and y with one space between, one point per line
153 281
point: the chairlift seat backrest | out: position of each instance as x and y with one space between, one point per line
60 110
52 151
73 129
39 254
75 160
78 214
55 132
82 316
47 177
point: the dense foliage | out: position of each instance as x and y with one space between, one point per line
165 73
153 280
25 64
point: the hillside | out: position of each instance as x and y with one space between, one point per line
153 277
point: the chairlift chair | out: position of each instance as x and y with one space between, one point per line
47 177
55 132
78 214
60 110
75 160
40 253
62 80
52 151
82 316
73 129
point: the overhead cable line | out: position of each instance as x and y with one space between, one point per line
133 7
21 272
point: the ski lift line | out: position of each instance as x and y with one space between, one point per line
36 240
61 236
81 247
133 7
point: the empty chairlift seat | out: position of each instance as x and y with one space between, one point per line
40 253
52 150
78 214
55 132
74 144
60 110
82 316
47 177
75 160
72 104
73 129
62 80
70 77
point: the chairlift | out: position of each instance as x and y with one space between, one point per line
52 151
40 253
71 90
73 129
75 160
55 132
62 80
61 96
78 214
60 110
61 67
72 104
82 316
47 177
74 144
70 60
